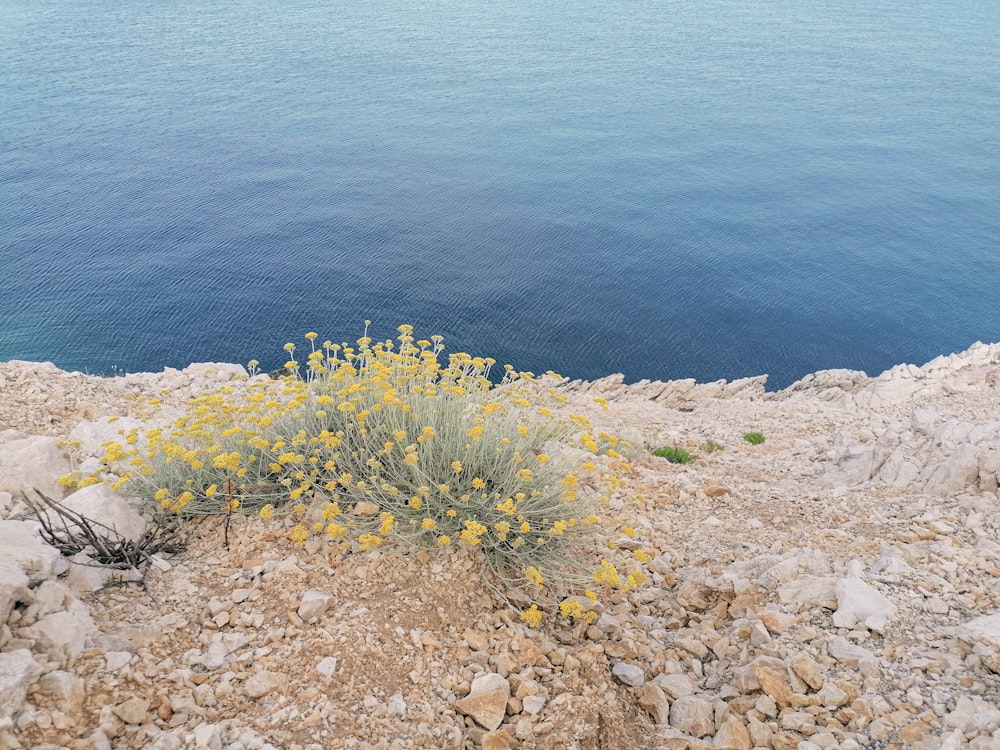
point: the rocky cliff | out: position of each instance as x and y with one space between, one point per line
833 587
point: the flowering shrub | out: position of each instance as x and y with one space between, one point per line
385 442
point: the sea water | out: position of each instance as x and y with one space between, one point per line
664 188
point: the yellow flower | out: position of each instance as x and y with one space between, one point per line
411 459
335 530
525 527
635 579
532 616
451 512
311 335
385 528
367 541
330 511
475 527
570 608
444 541
443 489
478 484
427 524
456 466
542 458
606 574
534 575
266 512
299 534
522 430
525 475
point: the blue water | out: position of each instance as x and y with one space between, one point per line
703 188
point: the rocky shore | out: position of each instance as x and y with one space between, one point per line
837 586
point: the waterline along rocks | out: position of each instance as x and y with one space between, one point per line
832 587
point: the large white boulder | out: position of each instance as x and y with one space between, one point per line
20 542
28 463
18 672
13 586
98 502
61 636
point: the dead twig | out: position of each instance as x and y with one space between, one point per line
72 533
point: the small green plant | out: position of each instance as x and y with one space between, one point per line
754 438
674 454
710 446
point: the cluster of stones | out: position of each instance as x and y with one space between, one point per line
833 588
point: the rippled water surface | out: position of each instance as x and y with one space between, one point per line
713 188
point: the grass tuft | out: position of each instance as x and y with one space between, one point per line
674 454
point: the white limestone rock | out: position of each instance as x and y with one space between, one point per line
983 633
20 542
629 674
327 666
973 715
487 700
261 683
208 737
313 605
675 685
222 371
61 636
694 715
18 672
33 463
85 574
807 592
846 652
860 603
68 690
13 586
104 506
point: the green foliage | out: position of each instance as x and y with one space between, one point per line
754 438
710 446
674 454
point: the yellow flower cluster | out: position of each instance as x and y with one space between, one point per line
410 443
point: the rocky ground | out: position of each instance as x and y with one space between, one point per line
833 587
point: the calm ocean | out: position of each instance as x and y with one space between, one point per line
664 188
